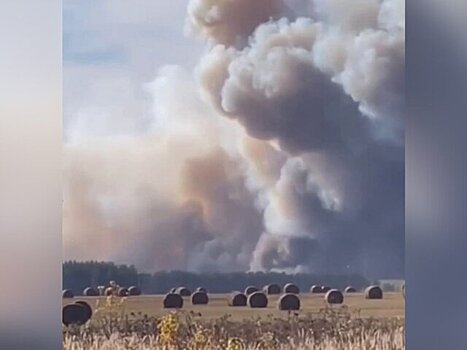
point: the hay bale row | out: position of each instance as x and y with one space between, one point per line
125 292
101 290
275 289
257 299
175 300
288 301
186 292
77 313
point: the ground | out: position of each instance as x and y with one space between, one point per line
393 305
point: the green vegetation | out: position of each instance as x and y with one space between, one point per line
79 275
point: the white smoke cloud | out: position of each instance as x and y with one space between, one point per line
172 198
230 22
283 149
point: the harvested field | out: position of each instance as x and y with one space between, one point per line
391 306
122 324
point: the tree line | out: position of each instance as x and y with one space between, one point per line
79 275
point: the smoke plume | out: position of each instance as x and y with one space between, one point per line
283 150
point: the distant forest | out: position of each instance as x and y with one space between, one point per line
79 275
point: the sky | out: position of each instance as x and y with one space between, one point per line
110 50
219 135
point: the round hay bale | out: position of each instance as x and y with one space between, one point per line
257 300
108 291
289 301
272 289
201 289
199 298
325 289
173 301
237 299
67 294
122 292
334 296
90 292
74 314
350 289
86 307
173 290
373 292
315 289
291 288
134 291
183 291
250 289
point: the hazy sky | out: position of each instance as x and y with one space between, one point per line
111 48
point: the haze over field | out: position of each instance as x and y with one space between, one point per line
270 138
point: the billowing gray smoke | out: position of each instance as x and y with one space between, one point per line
287 152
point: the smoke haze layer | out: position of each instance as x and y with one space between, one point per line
282 150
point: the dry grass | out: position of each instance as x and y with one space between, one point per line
115 327
392 305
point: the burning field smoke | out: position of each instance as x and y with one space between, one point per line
282 151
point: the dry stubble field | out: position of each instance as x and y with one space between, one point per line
391 306
140 323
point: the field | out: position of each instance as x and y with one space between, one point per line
391 306
140 323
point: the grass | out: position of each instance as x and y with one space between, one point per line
139 323
391 306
